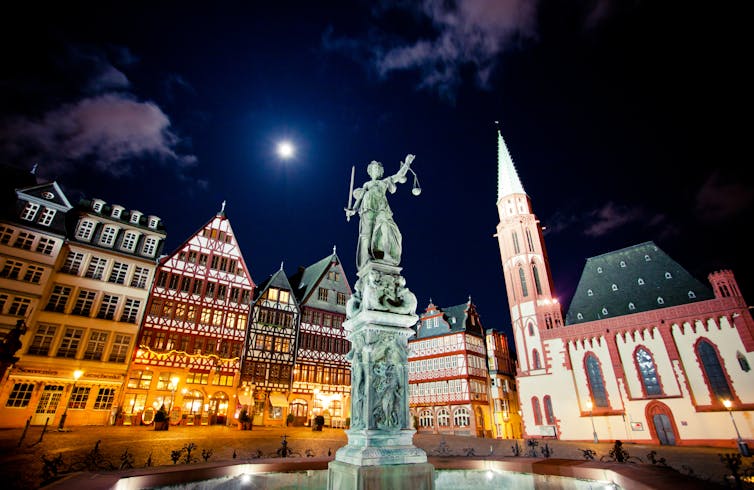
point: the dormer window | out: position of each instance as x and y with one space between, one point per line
614 287
153 222
85 230
631 306
660 301
647 258
135 217
30 211
117 211
604 311
640 281
46 216
589 292
599 270
97 205
623 264
668 275
108 236
579 316
129 241
692 295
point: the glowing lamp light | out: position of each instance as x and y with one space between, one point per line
286 150
727 404
589 405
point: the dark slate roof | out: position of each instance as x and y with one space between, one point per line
306 278
278 280
454 319
642 276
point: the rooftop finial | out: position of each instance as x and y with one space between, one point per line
222 208
34 169
281 264
334 248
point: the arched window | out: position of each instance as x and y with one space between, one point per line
537 284
549 415
535 359
743 362
596 381
536 410
426 419
713 370
461 417
522 277
516 248
443 418
648 372
529 240
531 329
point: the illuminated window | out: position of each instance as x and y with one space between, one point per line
322 294
43 337
522 278
461 417
69 345
46 216
121 343
426 419
105 399
596 381
648 372
95 346
29 211
713 370
107 307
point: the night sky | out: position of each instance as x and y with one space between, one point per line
625 120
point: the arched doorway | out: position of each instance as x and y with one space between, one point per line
661 423
193 400
218 408
299 409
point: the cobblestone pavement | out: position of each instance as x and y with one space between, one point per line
21 459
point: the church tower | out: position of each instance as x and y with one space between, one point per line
528 281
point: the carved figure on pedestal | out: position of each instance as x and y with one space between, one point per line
357 383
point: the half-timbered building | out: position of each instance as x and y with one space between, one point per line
448 375
188 356
322 376
506 413
269 354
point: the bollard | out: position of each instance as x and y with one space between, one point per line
23 434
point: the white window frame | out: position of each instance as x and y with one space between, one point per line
30 211
85 230
46 216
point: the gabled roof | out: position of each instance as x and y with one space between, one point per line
277 280
458 318
50 193
632 280
306 279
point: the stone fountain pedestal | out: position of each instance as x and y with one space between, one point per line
380 453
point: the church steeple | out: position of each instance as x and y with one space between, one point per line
507 178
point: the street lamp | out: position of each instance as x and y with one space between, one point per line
742 447
589 405
76 375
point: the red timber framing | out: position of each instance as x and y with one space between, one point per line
188 355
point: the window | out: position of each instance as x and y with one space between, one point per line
631 306
19 306
516 247
96 268
692 295
140 379
43 337
11 269
640 281
107 307
5 235
322 294
107 238
743 362
549 415
130 310
596 381
20 395
95 346
45 218
135 217
153 221
33 274
604 311
522 278
84 302
45 246
426 419
150 246
97 205
24 240
536 410
461 417
58 298
79 397
589 292
668 275
660 300
85 230
535 359
443 418
648 372
614 287
120 348
529 240
341 300
186 284
72 263
29 211
70 342
129 241
713 370
599 270
537 283
623 264
118 274
105 399
139 280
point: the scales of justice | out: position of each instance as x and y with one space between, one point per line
379 319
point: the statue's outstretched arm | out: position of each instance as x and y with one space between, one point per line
400 175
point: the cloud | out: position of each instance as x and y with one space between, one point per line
611 217
719 200
106 131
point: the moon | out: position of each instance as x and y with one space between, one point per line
286 150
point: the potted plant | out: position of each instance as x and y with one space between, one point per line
161 419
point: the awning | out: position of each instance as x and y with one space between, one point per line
278 400
245 399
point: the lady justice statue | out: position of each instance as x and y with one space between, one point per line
379 236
